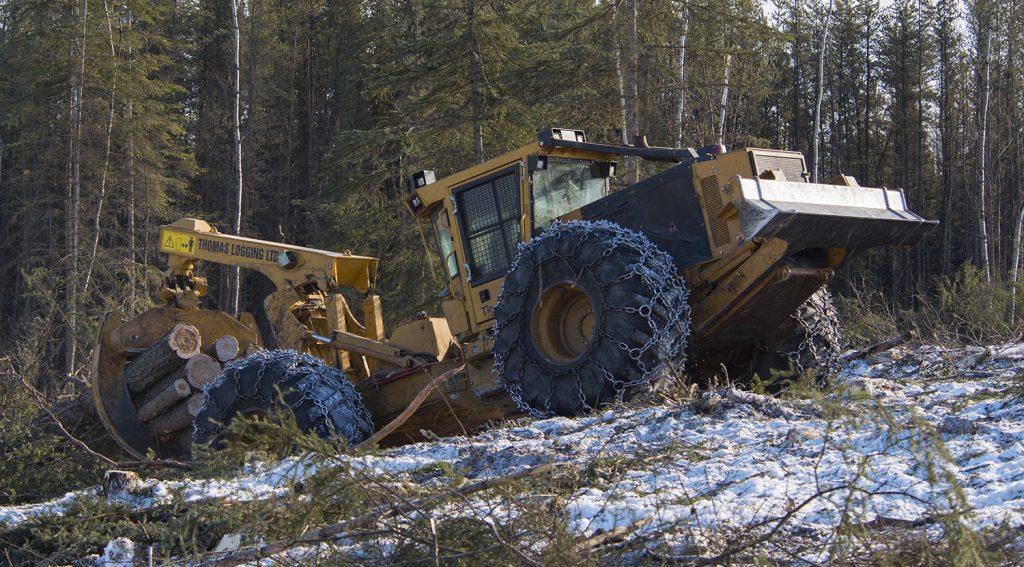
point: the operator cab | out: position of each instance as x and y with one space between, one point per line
481 215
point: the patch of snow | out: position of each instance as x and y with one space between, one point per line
750 459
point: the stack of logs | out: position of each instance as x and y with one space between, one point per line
166 381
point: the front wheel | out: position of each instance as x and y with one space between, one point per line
588 313
320 397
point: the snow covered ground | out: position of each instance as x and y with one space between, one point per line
910 436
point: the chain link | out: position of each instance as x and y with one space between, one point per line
822 344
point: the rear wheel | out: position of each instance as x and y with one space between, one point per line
320 397
808 340
588 313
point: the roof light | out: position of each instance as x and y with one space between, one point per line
421 179
565 134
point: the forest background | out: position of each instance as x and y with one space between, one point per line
117 116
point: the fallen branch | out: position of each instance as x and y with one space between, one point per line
409 410
156 463
324 533
41 404
732 550
876 348
60 426
611 536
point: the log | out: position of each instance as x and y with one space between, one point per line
197 372
179 389
253 350
163 357
177 418
226 348
200 370
881 347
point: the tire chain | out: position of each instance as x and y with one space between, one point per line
320 385
671 293
822 342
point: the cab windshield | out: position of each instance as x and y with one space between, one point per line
564 187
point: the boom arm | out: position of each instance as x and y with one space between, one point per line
306 302
289 267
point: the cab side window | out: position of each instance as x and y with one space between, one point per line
489 214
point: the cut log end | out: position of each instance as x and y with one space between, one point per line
226 348
184 339
200 370
253 350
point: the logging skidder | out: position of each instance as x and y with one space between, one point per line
562 291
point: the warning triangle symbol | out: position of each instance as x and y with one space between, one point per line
169 243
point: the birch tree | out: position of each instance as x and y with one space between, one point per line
236 201
816 134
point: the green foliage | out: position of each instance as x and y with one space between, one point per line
969 308
36 461
964 309
34 464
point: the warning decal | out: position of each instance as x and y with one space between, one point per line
177 242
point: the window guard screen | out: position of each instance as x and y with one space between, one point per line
490 221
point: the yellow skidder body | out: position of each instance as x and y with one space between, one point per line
742 237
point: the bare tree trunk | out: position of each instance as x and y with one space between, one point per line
70 341
797 67
945 137
982 166
725 100
474 82
622 86
236 212
1014 270
131 184
69 301
867 93
681 105
632 78
250 94
106 153
816 135
285 227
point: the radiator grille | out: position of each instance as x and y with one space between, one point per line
792 166
713 201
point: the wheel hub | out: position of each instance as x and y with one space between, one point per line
563 323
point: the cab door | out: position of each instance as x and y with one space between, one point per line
489 210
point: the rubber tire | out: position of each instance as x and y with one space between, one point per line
618 269
321 397
815 323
